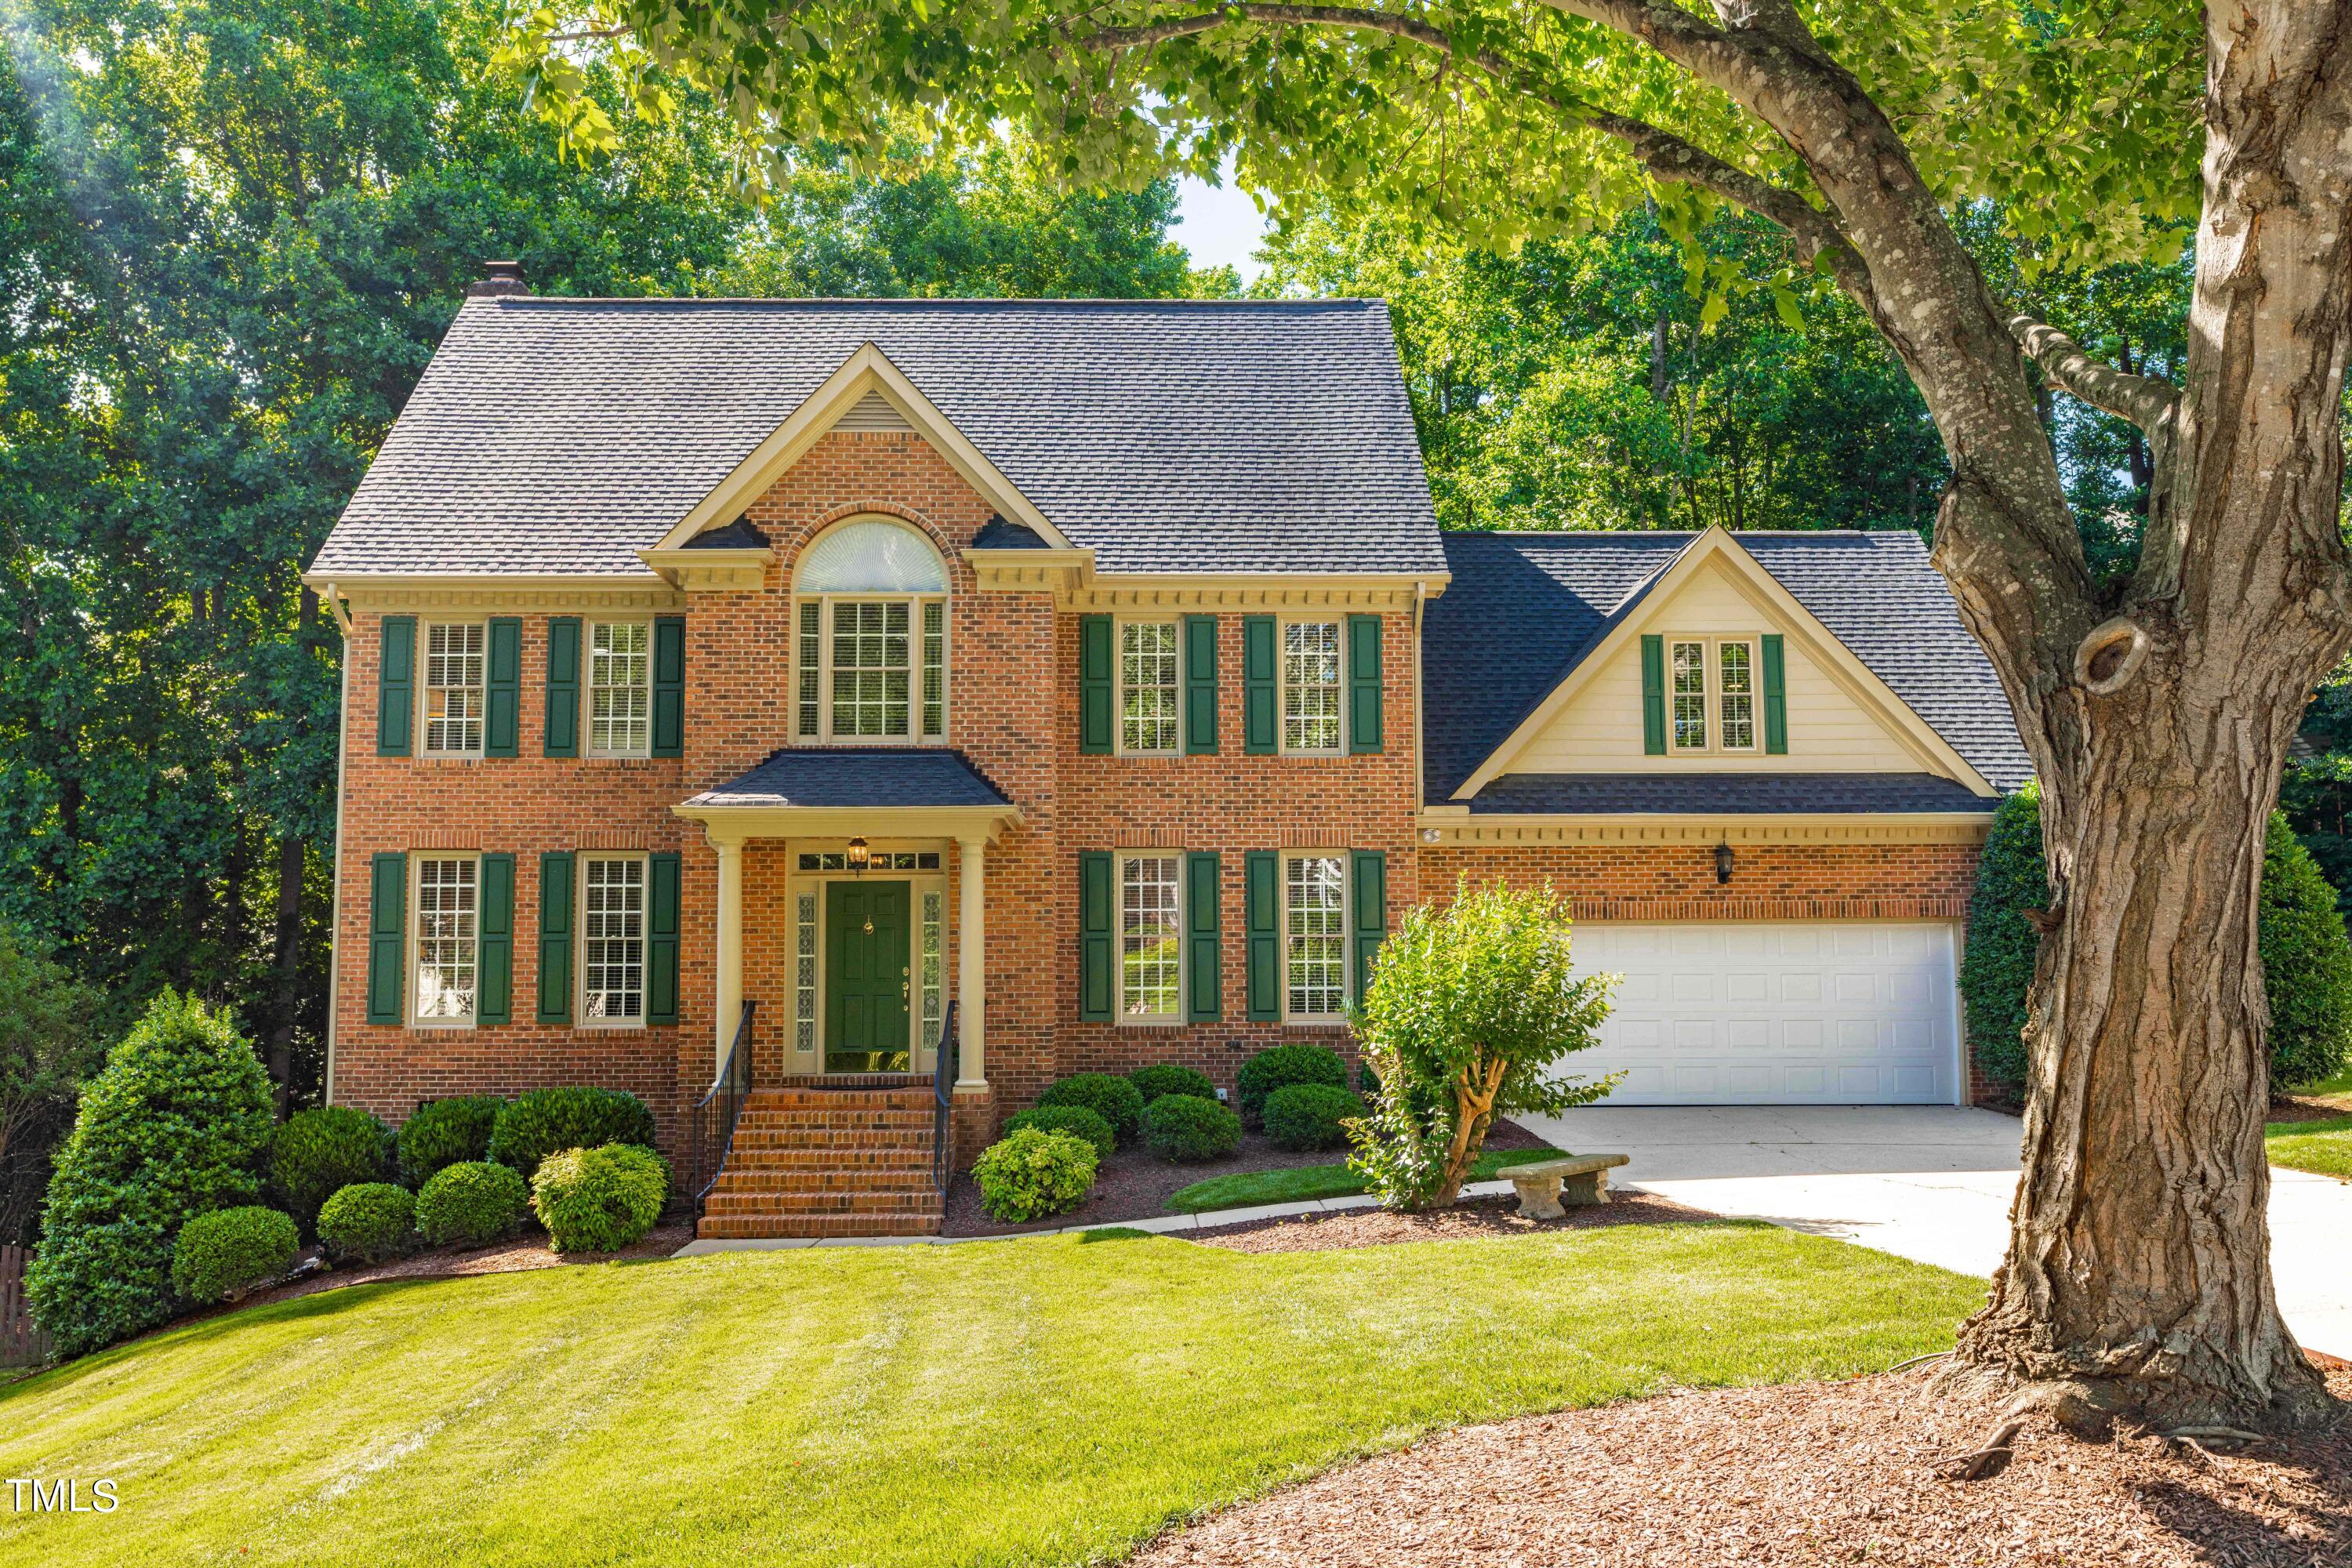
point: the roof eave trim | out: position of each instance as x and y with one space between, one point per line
711 570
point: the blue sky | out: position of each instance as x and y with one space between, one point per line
1219 225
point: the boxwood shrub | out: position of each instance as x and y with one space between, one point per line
1305 1116
1279 1067
222 1255
1186 1128
1170 1077
534 1125
1075 1119
471 1204
1031 1173
1108 1096
317 1153
371 1221
445 1133
601 1199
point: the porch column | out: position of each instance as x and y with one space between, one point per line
729 958
971 962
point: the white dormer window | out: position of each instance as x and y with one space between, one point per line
1711 691
870 636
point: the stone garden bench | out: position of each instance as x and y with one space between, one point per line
1576 1182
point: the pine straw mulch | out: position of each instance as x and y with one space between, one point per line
1468 1219
1801 1474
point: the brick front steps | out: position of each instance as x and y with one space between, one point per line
824 1162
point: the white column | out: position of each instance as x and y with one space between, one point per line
971 962
730 960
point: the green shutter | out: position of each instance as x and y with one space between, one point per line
1370 905
1096 1001
1259 699
1262 895
555 939
396 687
1200 686
1094 683
669 686
661 939
387 937
502 694
1204 951
494 975
1653 696
563 686
1363 683
1776 696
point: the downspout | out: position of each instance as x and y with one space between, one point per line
335 935
1420 766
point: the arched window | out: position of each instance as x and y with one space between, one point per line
870 596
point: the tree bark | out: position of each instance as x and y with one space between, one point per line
1475 1088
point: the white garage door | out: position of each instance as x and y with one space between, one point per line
1814 1014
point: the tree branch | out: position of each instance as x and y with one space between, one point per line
2145 400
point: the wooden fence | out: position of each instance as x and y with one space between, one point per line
21 1344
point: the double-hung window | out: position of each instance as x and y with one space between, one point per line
612 939
1712 691
870 636
454 672
1149 688
1312 694
447 934
1150 938
1315 937
620 688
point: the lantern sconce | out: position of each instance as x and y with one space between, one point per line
1723 862
858 857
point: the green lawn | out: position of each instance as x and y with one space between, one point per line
2341 1084
1247 1189
1054 1399
2322 1146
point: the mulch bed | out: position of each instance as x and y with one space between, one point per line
2309 1108
1464 1221
1135 1184
1802 1474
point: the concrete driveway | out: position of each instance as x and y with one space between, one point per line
1928 1182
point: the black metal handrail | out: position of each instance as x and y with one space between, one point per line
721 1106
943 1076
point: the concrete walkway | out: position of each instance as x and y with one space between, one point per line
1928 1182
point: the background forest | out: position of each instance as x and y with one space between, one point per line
232 231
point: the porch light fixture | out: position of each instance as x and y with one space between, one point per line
1722 862
859 856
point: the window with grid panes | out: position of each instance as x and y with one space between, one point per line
1687 690
1311 690
1148 694
620 688
1314 936
612 939
453 668
447 931
1150 936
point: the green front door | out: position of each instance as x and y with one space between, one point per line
865 953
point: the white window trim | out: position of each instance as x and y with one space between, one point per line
797 882
587 722
580 928
422 664
1347 927
1120 860
415 918
1711 679
914 735
1282 685
1118 685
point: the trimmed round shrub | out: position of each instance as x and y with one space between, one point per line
601 1199
1031 1174
1108 1096
371 1221
534 1125
1186 1128
1075 1119
1169 1077
1305 1116
445 1133
318 1154
222 1255
471 1204
1279 1067
174 1127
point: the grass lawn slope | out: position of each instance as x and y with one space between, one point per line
1048 1400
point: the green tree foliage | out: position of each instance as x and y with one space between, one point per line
1472 1008
174 1127
47 1045
2300 935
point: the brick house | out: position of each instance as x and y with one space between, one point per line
789 677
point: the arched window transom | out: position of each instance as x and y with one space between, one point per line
870 655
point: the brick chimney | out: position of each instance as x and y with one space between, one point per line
499 278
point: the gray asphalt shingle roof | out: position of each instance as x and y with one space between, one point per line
1523 609
563 435
857 776
1741 793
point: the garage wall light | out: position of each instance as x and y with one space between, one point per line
1723 862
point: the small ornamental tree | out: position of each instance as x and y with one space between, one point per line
1472 1007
